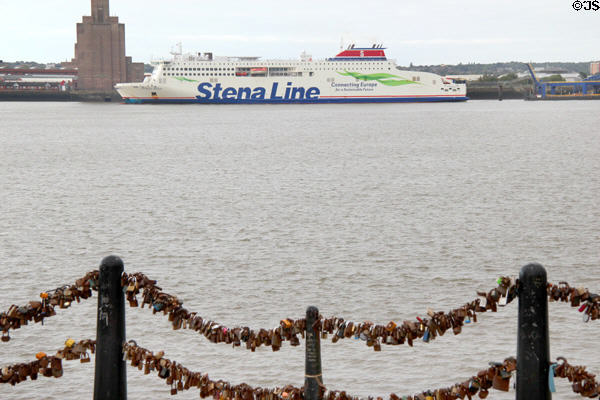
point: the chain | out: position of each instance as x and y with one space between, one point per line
181 378
497 377
583 382
426 328
36 311
48 366
588 303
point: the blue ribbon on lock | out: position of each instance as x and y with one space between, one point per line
551 378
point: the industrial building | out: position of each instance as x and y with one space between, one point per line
100 61
100 52
35 78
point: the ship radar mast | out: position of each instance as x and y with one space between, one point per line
177 50
304 56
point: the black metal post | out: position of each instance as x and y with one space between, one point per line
533 343
313 373
110 378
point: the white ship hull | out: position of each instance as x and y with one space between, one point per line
200 79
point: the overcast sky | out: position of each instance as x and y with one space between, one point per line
421 32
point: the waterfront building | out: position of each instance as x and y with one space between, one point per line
100 51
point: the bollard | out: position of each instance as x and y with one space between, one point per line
110 375
533 343
313 378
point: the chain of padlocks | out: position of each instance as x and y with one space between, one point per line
180 378
497 376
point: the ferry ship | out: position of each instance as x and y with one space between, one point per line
354 75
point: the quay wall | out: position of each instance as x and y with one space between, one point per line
496 90
55 95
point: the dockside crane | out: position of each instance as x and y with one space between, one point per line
538 88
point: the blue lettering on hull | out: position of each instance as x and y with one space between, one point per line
218 94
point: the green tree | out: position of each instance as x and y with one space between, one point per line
553 78
488 78
509 77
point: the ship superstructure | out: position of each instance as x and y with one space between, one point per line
353 75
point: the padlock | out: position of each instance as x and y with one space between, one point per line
500 383
7 372
164 373
85 357
56 367
377 346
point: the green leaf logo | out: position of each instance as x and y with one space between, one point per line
383 78
182 79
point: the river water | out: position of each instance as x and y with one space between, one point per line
252 213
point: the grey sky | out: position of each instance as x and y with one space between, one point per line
422 32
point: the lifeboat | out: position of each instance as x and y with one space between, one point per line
258 71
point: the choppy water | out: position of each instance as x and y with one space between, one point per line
252 213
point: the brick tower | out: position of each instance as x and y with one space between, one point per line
100 51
